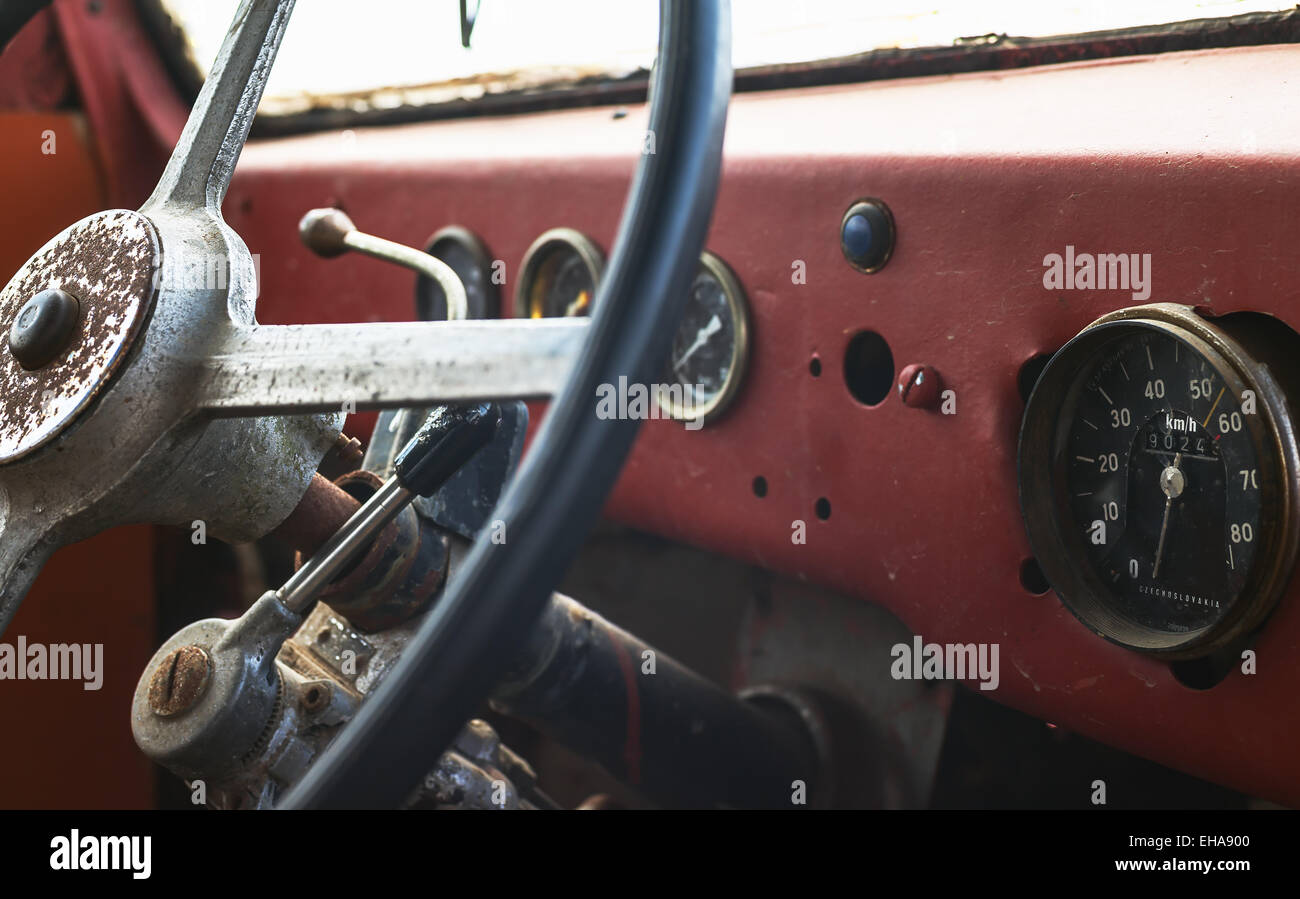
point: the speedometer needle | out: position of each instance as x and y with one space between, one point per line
1172 482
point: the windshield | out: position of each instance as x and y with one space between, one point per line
388 53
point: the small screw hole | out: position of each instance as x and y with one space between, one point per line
823 508
760 486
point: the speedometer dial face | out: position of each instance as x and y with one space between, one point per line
1155 467
1163 480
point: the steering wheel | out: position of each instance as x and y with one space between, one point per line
138 387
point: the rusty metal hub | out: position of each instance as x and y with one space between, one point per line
108 262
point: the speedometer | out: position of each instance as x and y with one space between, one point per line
1157 465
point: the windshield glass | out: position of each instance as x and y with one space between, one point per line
388 53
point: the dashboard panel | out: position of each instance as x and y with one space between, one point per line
913 506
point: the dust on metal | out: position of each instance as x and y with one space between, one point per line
108 262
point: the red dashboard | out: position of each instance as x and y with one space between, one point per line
1189 157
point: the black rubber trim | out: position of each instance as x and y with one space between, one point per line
483 619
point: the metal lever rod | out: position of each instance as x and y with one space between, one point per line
355 535
330 232
446 441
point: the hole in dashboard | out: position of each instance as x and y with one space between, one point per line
760 486
869 368
1029 372
1206 672
1032 577
823 508
815 366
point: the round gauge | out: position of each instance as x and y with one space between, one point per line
711 347
1156 466
467 256
560 273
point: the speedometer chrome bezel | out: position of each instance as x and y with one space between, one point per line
1044 501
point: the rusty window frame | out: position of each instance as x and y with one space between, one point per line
989 52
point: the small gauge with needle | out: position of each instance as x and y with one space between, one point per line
711 347
559 276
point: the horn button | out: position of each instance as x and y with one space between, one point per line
107 263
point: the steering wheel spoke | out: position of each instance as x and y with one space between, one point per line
170 404
277 369
27 540
200 167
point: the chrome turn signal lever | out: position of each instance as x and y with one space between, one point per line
330 232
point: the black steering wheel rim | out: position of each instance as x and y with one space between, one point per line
464 644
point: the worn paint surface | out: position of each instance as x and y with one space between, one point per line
985 174
1184 156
